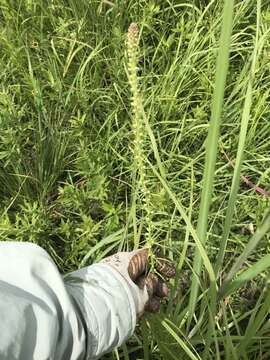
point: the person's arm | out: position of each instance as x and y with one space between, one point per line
106 306
112 294
41 317
84 315
38 319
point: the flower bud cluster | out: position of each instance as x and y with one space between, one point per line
139 130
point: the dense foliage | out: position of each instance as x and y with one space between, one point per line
66 153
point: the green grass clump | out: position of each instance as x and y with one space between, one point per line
104 148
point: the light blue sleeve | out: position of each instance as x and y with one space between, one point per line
43 316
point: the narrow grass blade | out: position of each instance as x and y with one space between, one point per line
212 145
185 245
240 150
235 185
183 343
154 144
254 325
145 340
253 242
247 275
190 228
115 237
230 352
125 351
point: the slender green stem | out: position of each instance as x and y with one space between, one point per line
212 145
240 150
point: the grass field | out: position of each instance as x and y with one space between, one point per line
69 177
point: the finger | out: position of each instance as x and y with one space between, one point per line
150 281
153 305
165 267
162 289
138 264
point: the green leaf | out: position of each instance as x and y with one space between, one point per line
253 242
240 149
247 275
212 146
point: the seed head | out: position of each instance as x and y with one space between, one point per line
133 42
133 32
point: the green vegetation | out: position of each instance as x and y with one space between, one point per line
74 180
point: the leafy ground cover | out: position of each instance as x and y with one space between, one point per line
67 155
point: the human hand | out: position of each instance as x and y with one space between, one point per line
148 289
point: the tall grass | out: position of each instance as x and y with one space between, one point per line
212 146
67 156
